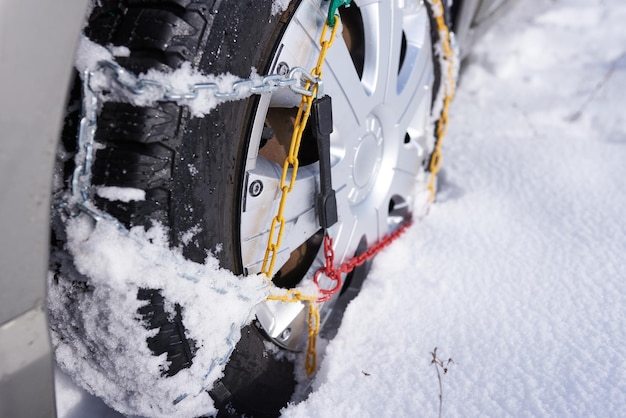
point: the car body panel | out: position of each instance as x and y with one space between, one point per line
37 44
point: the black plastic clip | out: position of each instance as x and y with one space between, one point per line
322 119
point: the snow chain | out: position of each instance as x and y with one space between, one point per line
308 85
329 270
449 86
273 245
302 117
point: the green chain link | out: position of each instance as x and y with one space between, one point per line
334 5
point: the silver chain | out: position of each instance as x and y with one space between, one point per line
296 79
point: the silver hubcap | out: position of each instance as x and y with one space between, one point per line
379 75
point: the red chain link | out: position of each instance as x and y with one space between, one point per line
334 274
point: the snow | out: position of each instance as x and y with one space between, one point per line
111 357
517 273
122 194
89 53
279 6
188 236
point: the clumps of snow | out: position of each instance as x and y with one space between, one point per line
89 54
436 7
157 85
182 80
100 339
119 51
121 194
193 170
279 6
186 237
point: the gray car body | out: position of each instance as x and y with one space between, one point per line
37 44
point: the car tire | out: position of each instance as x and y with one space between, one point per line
196 171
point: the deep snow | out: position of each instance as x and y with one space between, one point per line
517 274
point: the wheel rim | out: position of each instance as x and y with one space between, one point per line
379 75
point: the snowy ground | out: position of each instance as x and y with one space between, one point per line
518 273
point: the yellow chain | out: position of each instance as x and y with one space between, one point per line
294 295
313 320
292 159
449 87
314 327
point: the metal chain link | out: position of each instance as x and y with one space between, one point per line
286 185
334 273
297 79
291 161
448 86
80 199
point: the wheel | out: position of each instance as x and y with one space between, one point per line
216 178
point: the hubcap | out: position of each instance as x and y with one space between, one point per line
367 157
379 75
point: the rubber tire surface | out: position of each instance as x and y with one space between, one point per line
153 148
